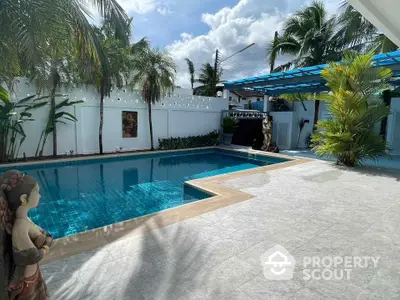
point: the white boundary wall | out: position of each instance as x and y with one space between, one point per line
178 115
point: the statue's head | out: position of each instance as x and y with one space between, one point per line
20 191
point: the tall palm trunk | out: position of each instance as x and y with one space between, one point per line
273 56
151 127
101 120
55 78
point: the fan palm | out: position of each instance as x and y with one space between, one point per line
154 73
349 134
191 71
209 78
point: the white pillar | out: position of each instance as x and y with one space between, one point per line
225 94
267 104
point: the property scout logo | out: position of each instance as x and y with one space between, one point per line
278 264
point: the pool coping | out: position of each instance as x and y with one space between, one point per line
99 156
223 197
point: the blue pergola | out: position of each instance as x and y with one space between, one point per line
304 80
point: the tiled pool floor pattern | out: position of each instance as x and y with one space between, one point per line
85 195
312 209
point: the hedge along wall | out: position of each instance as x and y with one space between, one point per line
178 115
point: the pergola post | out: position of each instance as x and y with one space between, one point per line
267 104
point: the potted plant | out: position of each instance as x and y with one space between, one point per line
229 125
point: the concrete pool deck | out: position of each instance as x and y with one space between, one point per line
312 209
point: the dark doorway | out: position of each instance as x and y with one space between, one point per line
247 131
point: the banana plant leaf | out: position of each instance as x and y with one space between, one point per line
66 102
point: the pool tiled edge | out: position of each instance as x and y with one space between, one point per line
223 196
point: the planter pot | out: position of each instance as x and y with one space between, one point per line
227 138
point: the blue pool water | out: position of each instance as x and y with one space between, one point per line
82 195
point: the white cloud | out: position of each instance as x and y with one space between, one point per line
164 11
232 29
139 6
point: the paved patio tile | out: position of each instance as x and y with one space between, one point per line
336 289
123 290
314 209
253 254
222 278
308 294
69 288
261 288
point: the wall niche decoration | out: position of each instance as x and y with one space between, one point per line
129 124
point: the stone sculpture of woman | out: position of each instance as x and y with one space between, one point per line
22 243
267 132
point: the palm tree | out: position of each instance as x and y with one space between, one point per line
46 34
349 134
309 35
356 29
191 71
154 72
27 23
114 72
209 78
272 56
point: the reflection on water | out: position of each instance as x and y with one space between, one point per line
96 193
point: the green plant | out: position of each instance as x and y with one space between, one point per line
56 116
210 139
112 70
208 79
154 74
311 36
13 115
27 25
229 124
307 140
349 134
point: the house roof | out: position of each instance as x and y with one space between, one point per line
304 80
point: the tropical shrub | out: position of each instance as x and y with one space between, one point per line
13 115
349 134
229 124
210 139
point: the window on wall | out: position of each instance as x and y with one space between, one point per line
129 124
230 98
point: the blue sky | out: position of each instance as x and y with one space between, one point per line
175 17
196 28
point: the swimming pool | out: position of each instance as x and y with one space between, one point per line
86 194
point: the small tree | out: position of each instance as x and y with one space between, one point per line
349 134
154 72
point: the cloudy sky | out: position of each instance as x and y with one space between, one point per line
196 28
